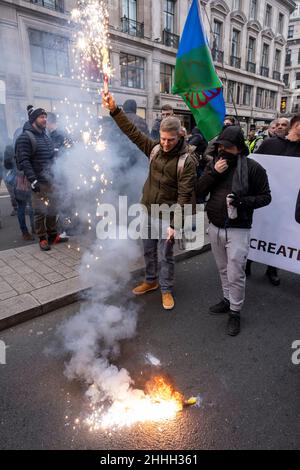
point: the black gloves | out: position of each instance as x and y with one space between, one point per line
236 201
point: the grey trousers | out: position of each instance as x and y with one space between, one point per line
152 245
230 248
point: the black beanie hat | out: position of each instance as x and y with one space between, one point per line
34 113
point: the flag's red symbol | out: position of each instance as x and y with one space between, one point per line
204 94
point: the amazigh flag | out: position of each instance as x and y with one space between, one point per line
196 80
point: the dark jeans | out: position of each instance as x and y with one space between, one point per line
11 190
21 210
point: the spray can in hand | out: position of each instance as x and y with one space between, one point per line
231 210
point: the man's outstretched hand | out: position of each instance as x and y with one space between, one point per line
109 102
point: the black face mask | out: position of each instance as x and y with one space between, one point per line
229 157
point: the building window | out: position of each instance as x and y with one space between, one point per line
230 91
291 32
235 43
247 95
277 62
273 100
259 98
129 9
265 55
166 78
286 78
57 5
169 15
49 53
299 56
268 17
129 19
132 71
280 23
238 94
288 58
251 50
253 9
217 44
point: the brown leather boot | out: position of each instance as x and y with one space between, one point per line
145 287
28 237
168 301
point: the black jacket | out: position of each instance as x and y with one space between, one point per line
9 158
58 139
279 146
36 165
220 185
130 108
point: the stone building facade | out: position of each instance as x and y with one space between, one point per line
247 38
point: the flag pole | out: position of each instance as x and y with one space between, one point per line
223 67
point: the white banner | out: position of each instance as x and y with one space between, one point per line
275 235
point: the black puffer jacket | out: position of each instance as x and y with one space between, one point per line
220 185
36 165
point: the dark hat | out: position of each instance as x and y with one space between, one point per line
233 135
34 113
130 106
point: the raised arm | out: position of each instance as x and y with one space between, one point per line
144 143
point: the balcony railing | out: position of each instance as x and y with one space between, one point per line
251 67
235 62
170 39
132 27
217 55
264 71
56 5
277 76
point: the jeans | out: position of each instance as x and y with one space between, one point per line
21 211
152 246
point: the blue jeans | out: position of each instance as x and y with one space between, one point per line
21 210
165 248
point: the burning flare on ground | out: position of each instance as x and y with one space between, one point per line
159 402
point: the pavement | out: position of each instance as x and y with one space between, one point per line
33 283
249 385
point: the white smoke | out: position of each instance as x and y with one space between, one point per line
92 337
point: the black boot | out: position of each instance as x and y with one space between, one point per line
272 274
248 267
221 307
234 323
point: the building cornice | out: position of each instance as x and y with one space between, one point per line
254 25
220 6
239 17
290 4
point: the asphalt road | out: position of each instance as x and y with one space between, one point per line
250 387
